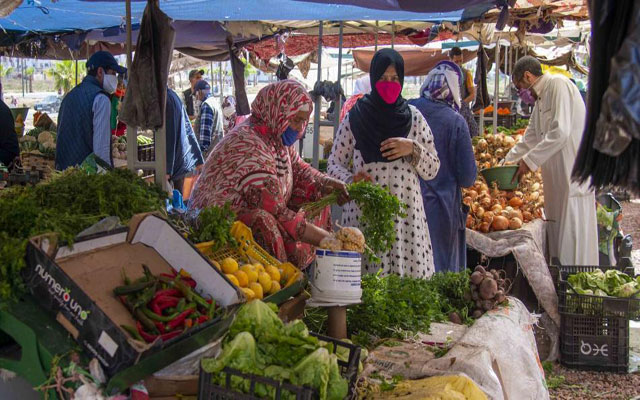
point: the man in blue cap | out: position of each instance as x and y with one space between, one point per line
208 125
84 121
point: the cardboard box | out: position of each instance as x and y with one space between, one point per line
76 285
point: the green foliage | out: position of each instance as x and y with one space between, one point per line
610 283
394 306
552 380
214 224
4 70
64 74
68 203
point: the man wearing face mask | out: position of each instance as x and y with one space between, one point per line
84 121
208 126
194 76
550 143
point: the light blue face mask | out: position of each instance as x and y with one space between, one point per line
289 136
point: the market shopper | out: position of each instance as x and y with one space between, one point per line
231 117
194 76
208 124
468 91
183 152
385 140
84 120
362 87
446 215
551 142
9 148
257 169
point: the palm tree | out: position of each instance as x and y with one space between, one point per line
64 74
29 74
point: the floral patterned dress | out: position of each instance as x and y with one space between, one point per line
264 181
412 253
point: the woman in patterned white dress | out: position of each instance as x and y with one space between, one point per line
387 141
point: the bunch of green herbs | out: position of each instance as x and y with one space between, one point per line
214 224
67 204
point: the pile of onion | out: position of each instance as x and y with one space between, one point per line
488 290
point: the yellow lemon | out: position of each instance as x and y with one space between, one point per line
275 287
249 293
242 277
252 275
216 264
265 280
273 272
233 279
257 289
258 267
229 265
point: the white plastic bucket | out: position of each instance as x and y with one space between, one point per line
336 277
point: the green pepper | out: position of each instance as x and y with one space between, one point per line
163 318
133 332
181 304
132 288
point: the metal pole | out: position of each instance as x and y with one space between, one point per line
221 77
132 131
76 72
496 87
318 104
376 35
338 107
393 34
22 75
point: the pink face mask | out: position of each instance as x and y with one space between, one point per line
389 91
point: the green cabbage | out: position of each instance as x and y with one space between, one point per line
611 283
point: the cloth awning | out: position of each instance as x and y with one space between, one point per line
417 61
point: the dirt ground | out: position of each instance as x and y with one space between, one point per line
631 221
567 384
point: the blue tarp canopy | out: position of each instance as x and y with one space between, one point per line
46 16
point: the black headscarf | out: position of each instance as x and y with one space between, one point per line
372 120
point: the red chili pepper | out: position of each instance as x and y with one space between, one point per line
155 308
203 318
167 292
166 302
172 274
147 337
179 319
189 281
209 301
160 326
170 335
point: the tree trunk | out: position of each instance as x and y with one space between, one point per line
30 83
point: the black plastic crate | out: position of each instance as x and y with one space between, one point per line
594 343
207 390
147 152
591 305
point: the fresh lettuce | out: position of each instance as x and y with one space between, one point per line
611 283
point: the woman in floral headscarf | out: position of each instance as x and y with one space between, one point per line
446 215
231 117
258 171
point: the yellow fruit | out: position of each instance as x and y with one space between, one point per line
258 267
252 275
242 278
257 289
265 280
273 272
233 279
216 264
249 293
229 265
275 287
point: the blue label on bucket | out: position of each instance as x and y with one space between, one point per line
343 254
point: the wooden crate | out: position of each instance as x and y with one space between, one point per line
38 162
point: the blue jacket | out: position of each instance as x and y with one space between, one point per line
183 151
442 196
75 124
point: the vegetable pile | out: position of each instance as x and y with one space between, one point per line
39 141
488 289
610 283
379 211
497 210
394 306
213 224
255 280
164 306
68 203
259 343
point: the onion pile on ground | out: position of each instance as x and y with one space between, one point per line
488 290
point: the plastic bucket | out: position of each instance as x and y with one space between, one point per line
337 276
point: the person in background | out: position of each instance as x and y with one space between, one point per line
446 215
183 152
9 148
550 143
194 76
388 142
257 169
208 124
362 87
84 120
118 128
231 117
468 91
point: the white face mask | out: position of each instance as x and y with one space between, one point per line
109 83
228 111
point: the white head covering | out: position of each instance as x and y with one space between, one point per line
443 84
363 85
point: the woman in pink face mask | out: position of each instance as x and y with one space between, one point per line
385 140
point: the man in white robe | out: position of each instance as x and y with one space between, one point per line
551 142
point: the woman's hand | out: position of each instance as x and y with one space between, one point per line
331 185
362 176
395 148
